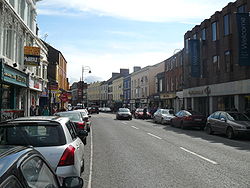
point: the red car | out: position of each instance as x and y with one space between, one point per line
185 118
139 114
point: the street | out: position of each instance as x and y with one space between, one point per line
140 153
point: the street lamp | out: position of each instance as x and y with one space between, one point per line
84 68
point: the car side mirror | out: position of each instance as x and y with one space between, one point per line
89 116
223 119
72 182
86 118
82 133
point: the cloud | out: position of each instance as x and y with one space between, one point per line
150 10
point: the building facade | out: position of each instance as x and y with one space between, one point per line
118 92
93 94
103 94
216 67
22 81
127 91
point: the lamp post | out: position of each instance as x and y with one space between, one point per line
82 84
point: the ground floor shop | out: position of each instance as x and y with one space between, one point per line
13 92
224 96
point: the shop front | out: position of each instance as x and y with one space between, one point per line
12 92
168 100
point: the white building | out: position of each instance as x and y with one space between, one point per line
22 84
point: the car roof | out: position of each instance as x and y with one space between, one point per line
52 119
9 155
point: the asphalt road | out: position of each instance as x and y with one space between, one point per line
140 153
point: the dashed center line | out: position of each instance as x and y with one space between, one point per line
134 127
213 162
154 136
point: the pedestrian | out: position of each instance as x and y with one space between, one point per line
46 111
32 110
54 110
144 113
37 111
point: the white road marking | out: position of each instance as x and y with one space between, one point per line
134 127
124 123
213 162
154 136
91 159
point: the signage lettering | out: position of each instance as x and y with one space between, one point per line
15 77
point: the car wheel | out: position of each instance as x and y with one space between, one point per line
230 133
209 129
82 168
162 121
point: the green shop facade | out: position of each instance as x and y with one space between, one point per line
13 92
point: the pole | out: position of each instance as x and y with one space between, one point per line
82 87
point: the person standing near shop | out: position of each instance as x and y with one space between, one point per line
32 110
37 111
45 111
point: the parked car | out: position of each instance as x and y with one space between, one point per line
139 114
188 118
78 119
163 116
24 167
93 109
105 109
229 123
86 118
54 137
123 113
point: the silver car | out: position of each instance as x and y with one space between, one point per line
54 137
163 116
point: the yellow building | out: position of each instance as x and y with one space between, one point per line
118 89
93 93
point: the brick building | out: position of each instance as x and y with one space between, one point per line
214 75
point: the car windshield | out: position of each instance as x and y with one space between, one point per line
35 135
168 112
71 116
237 117
124 110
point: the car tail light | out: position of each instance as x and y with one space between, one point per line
80 125
67 157
188 118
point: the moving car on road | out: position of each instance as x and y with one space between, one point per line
163 116
123 113
230 123
25 167
188 118
139 114
54 137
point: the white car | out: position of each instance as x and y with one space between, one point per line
163 116
54 137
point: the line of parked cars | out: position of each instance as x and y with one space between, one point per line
57 143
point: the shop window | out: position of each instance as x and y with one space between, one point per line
6 97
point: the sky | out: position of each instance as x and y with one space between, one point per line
106 35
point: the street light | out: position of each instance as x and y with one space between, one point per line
89 71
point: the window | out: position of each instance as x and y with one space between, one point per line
214 31
71 127
203 34
226 20
241 9
194 36
160 85
186 45
216 62
11 182
37 173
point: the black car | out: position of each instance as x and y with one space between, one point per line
124 113
23 167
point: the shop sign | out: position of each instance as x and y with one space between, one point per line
32 56
195 92
64 97
14 77
132 101
143 101
35 84
168 96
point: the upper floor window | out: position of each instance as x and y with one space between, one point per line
227 61
195 36
226 24
241 9
216 62
203 34
186 45
214 31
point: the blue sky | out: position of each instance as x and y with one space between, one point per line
107 35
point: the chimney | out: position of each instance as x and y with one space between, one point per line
115 74
137 68
124 72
